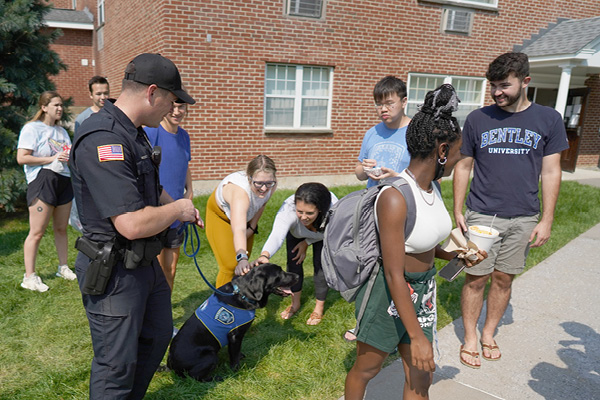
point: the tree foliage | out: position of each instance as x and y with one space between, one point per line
26 62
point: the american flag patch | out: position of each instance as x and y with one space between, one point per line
110 152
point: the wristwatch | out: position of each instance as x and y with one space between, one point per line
241 256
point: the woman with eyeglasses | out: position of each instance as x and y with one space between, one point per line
232 215
298 222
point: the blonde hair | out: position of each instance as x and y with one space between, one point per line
43 101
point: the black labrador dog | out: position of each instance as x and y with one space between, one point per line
224 320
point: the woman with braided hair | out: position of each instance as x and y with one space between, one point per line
401 310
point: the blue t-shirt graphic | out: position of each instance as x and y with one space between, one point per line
387 147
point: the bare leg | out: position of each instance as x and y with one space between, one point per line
39 217
168 259
368 364
471 302
60 220
497 301
416 381
319 310
295 306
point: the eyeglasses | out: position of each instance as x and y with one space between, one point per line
388 105
268 184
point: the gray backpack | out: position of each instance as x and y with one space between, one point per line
351 254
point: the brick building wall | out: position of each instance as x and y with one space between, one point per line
73 47
363 40
589 149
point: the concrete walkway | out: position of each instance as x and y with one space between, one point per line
549 335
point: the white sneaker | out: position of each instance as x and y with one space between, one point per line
66 273
33 282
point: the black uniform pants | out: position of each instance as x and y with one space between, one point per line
131 326
319 279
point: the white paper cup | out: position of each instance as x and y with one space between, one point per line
483 236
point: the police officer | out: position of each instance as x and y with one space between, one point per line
115 180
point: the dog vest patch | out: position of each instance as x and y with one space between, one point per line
220 318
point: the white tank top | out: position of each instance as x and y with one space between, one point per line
240 179
432 224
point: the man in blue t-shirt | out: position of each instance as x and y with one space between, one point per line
383 152
509 145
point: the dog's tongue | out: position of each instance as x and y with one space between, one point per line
286 290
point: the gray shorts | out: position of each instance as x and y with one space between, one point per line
509 251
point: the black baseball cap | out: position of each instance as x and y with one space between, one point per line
155 69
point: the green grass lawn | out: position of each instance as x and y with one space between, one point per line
45 350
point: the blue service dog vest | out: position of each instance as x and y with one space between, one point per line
220 318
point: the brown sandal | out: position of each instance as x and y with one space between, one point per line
314 317
490 348
473 354
289 311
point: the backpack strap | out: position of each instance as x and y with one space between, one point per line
365 300
411 208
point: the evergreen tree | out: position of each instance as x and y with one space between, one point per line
26 62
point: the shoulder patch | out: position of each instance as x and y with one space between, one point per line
110 152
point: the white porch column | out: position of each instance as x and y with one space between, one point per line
563 89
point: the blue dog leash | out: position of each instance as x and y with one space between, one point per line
185 228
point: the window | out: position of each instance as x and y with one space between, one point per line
305 8
101 16
456 21
481 4
470 90
298 97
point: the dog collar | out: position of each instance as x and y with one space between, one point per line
236 290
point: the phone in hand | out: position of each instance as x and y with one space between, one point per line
451 270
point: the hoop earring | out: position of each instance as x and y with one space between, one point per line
442 162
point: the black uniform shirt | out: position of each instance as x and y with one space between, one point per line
112 171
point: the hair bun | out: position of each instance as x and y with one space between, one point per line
441 102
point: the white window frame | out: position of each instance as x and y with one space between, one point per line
288 10
101 13
298 97
477 4
450 29
446 79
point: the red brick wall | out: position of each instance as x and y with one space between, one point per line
589 147
74 46
363 40
67 4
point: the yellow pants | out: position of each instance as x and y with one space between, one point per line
220 238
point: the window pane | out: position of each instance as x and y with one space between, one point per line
314 113
463 111
315 81
420 85
279 112
281 80
306 8
468 90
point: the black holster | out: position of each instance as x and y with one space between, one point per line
104 257
141 252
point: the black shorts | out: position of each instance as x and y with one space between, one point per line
173 240
52 188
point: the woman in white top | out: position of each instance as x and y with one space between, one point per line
298 221
232 215
401 310
43 150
